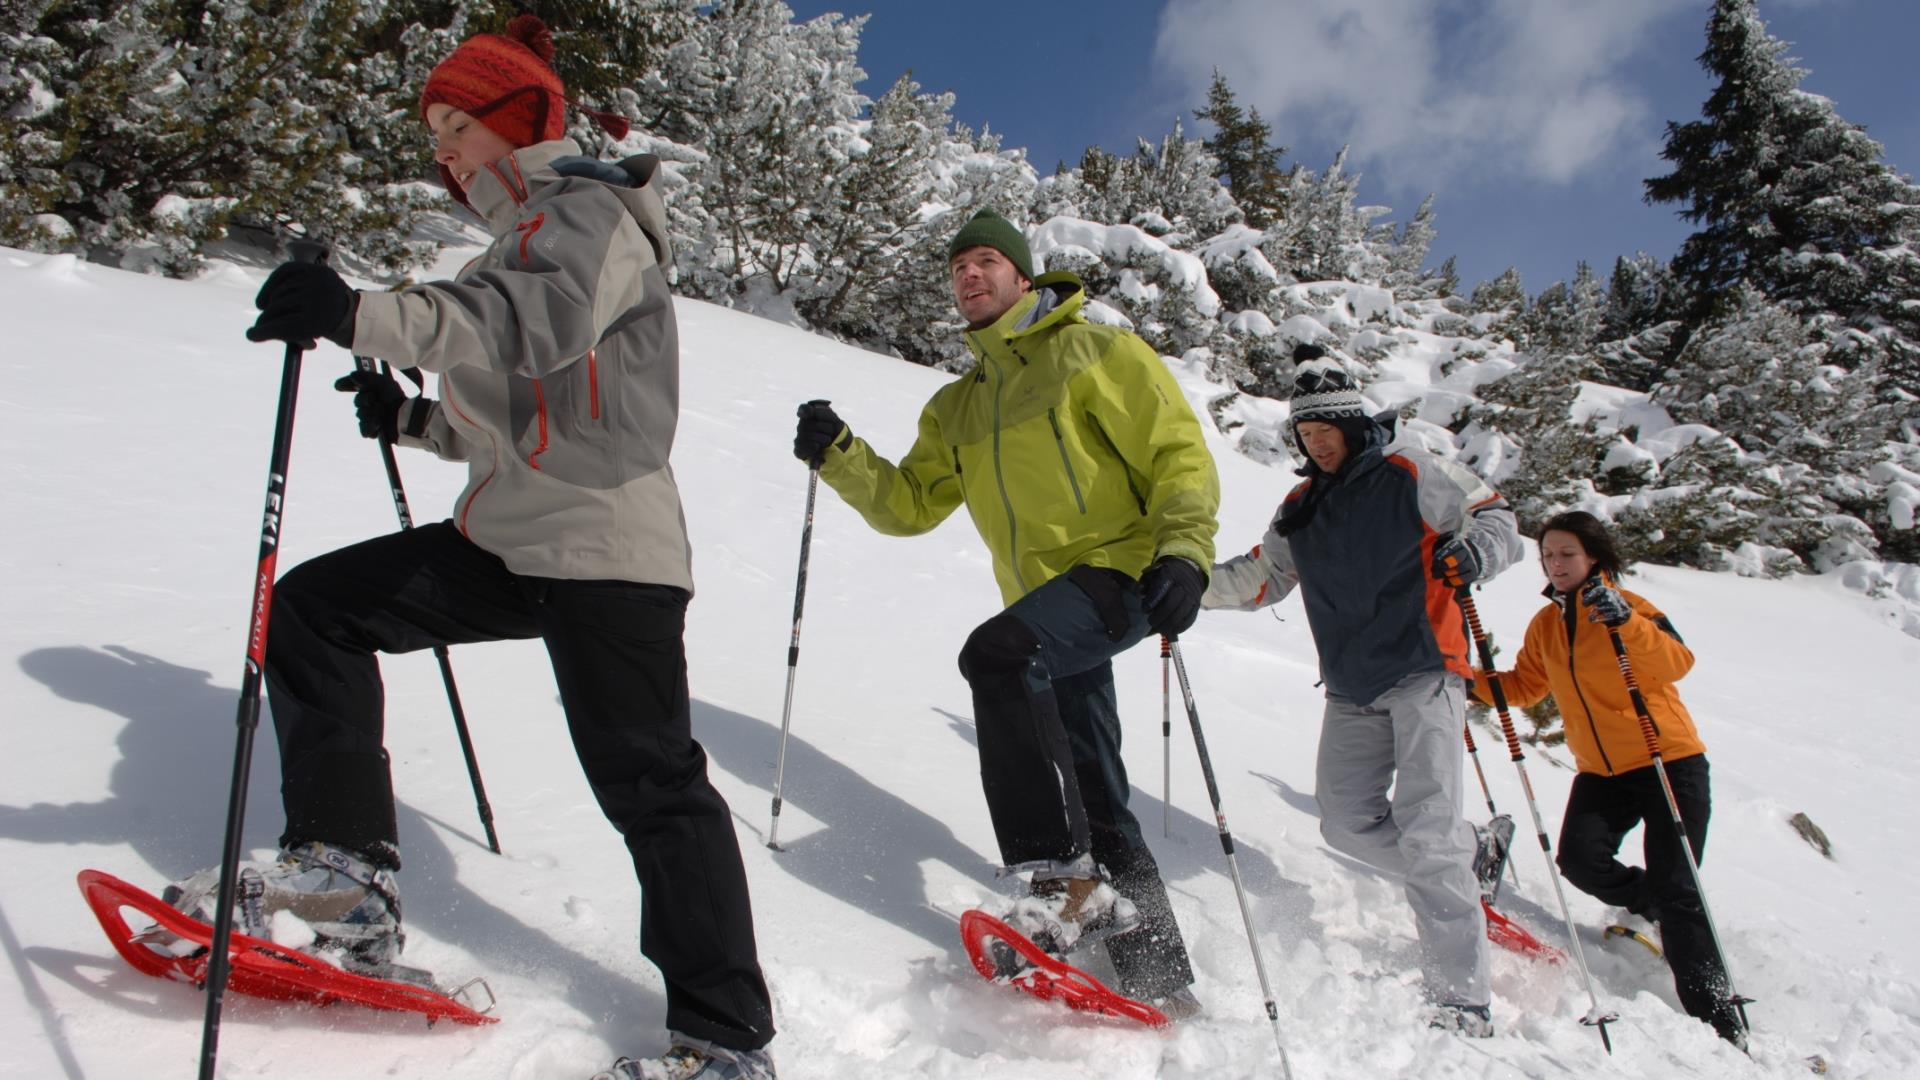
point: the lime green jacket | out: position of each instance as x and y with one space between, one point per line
1069 443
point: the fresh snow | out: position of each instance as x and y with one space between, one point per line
135 422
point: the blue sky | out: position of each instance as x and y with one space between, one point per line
1532 121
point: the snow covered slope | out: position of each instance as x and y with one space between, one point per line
134 422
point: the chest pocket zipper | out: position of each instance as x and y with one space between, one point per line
1066 462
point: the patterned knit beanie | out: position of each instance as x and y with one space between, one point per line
1322 389
988 229
505 81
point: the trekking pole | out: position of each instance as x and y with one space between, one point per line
1648 732
1166 738
247 718
365 363
1473 752
793 654
1226 845
1595 1018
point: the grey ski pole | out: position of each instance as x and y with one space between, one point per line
1473 753
1596 1017
1226 845
1166 738
1648 732
793 655
400 508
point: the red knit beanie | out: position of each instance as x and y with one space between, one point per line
505 81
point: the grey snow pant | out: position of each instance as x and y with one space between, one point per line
1409 739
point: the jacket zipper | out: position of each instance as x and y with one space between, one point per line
593 385
1000 476
1570 609
1138 499
1073 481
540 414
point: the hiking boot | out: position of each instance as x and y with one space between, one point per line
1178 1005
1473 1021
351 906
694 1059
1070 906
1493 845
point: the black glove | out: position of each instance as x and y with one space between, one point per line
376 400
819 428
302 302
1171 590
1605 604
1457 562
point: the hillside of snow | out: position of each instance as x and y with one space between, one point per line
134 429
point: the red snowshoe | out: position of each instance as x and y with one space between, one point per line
261 968
1002 954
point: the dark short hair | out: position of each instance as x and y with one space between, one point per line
1593 536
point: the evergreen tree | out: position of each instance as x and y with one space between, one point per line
1638 327
1794 200
1326 235
137 131
1810 428
1565 319
1533 408
1248 162
1499 306
1407 253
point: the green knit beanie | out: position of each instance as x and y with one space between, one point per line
988 229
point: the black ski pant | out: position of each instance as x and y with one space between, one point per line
620 662
1601 810
1049 733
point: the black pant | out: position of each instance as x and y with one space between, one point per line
619 660
1049 732
1600 812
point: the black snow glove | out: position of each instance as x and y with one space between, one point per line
1605 604
1457 562
377 398
303 301
1171 590
819 428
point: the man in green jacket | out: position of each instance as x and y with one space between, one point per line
1085 471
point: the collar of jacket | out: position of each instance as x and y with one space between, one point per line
503 186
1054 300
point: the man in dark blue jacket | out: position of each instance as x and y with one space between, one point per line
1379 537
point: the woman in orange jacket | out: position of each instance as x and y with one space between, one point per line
1567 653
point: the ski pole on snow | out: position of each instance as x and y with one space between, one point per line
1226 845
1648 732
1473 752
365 363
1595 1018
1166 738
247 718
793 655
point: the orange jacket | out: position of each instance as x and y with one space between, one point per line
1570 657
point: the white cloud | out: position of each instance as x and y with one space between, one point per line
1430 88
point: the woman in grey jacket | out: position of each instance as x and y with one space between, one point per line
558 360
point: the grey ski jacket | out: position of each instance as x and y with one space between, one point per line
559 364
1363 563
